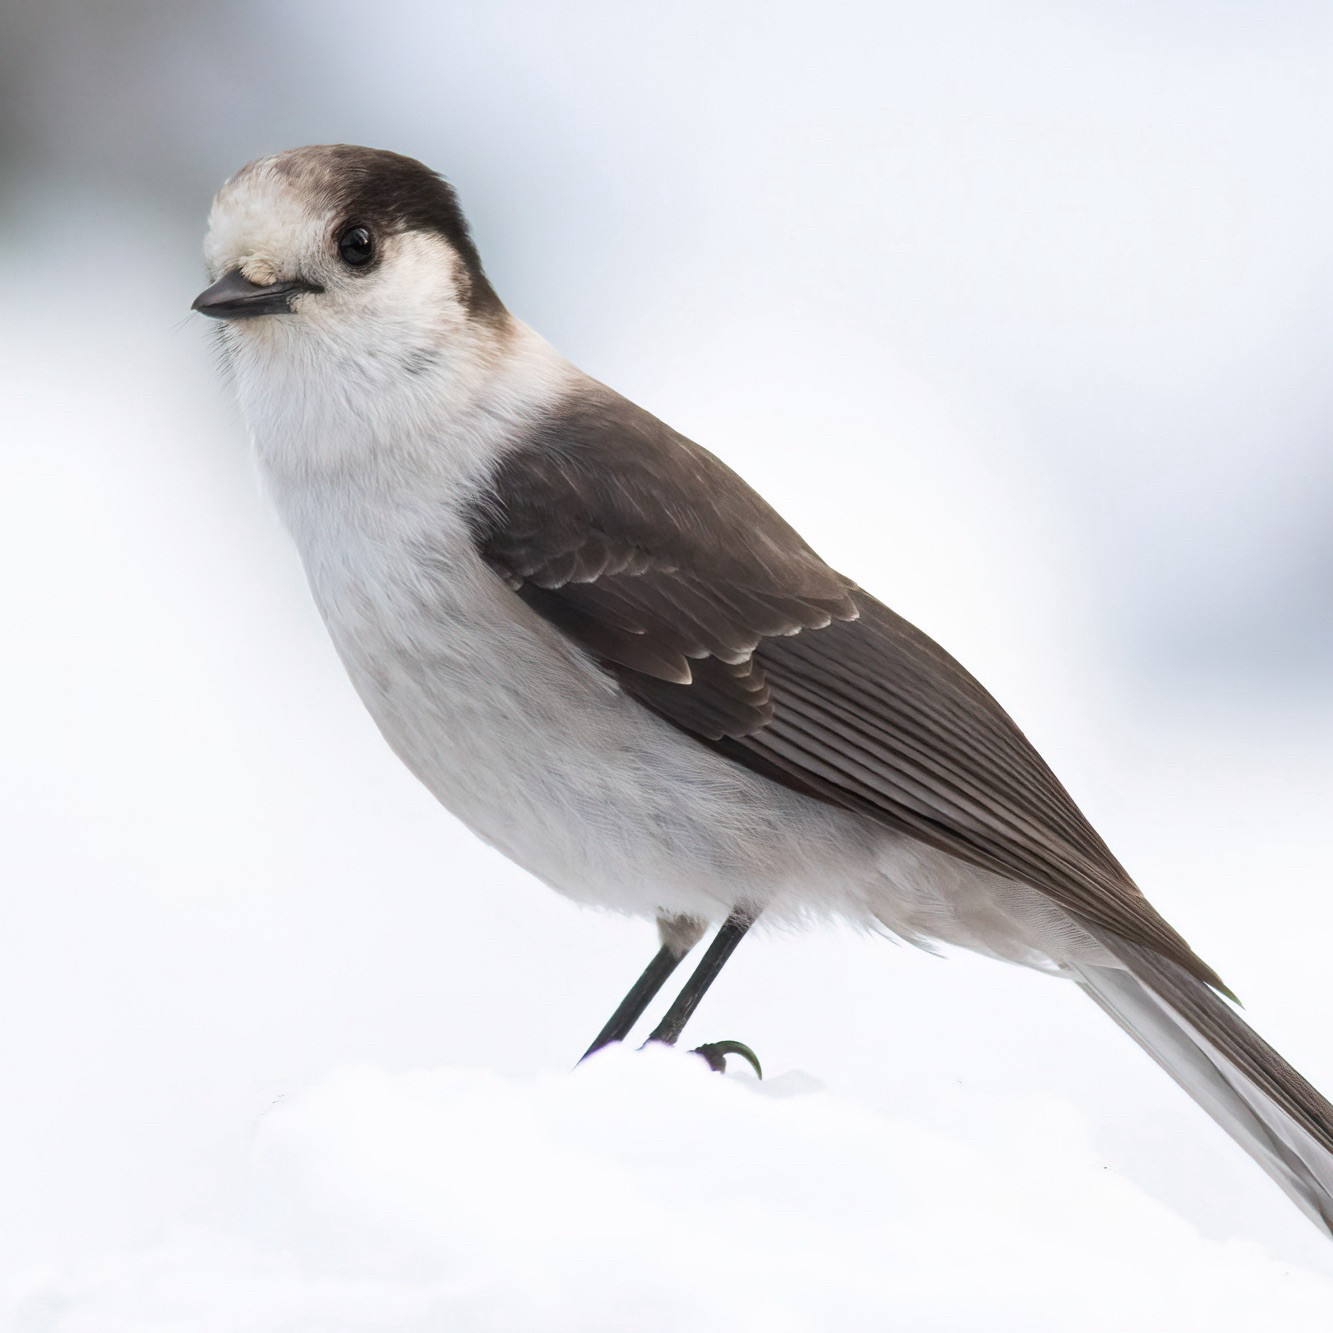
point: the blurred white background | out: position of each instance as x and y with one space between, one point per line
1021 313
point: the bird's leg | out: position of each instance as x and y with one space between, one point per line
679 934
673 1022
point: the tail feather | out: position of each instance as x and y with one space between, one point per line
1233 1074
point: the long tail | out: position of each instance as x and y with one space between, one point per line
1241 1081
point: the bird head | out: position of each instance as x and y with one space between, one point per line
341 249
351 299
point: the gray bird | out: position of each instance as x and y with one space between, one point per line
612 660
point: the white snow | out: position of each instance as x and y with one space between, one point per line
644 1193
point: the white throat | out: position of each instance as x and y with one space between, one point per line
365 435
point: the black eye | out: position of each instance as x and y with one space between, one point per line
356 246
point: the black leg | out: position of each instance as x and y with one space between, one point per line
724 942
639 998
679 934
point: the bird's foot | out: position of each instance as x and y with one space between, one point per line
716 1052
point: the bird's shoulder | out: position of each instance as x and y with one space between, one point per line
599 476
647 548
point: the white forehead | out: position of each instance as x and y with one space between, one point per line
266 219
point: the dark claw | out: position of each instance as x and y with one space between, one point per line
716 1052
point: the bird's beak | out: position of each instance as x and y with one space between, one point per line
234 296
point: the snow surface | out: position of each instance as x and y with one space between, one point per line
645 1193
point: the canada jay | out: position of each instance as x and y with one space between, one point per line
601 650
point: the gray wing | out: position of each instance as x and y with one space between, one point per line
709 609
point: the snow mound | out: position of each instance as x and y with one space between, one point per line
644 1193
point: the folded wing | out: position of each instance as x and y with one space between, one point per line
708 608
